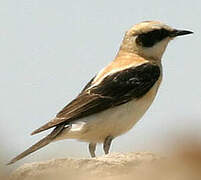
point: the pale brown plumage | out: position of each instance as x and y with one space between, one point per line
118 96
123 61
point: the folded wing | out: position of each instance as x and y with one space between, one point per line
115 89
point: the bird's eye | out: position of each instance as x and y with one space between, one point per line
150 38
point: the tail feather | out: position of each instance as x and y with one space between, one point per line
43 142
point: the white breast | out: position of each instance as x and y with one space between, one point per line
114 121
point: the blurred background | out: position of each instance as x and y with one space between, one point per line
51 49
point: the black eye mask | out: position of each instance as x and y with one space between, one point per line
150 38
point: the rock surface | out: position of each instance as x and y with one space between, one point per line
127 166
113 165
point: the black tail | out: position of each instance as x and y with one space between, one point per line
43 142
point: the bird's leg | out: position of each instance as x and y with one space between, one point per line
107 143
92 148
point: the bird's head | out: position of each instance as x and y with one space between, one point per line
149 39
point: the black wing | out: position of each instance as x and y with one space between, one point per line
115 89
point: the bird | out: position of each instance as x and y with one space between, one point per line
117 97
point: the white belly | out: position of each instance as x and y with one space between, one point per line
112 122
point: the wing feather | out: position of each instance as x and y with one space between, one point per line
115 89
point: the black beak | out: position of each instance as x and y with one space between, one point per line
177 32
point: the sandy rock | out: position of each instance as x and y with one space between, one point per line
184 165
110 166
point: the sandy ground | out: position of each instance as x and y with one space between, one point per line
183 165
